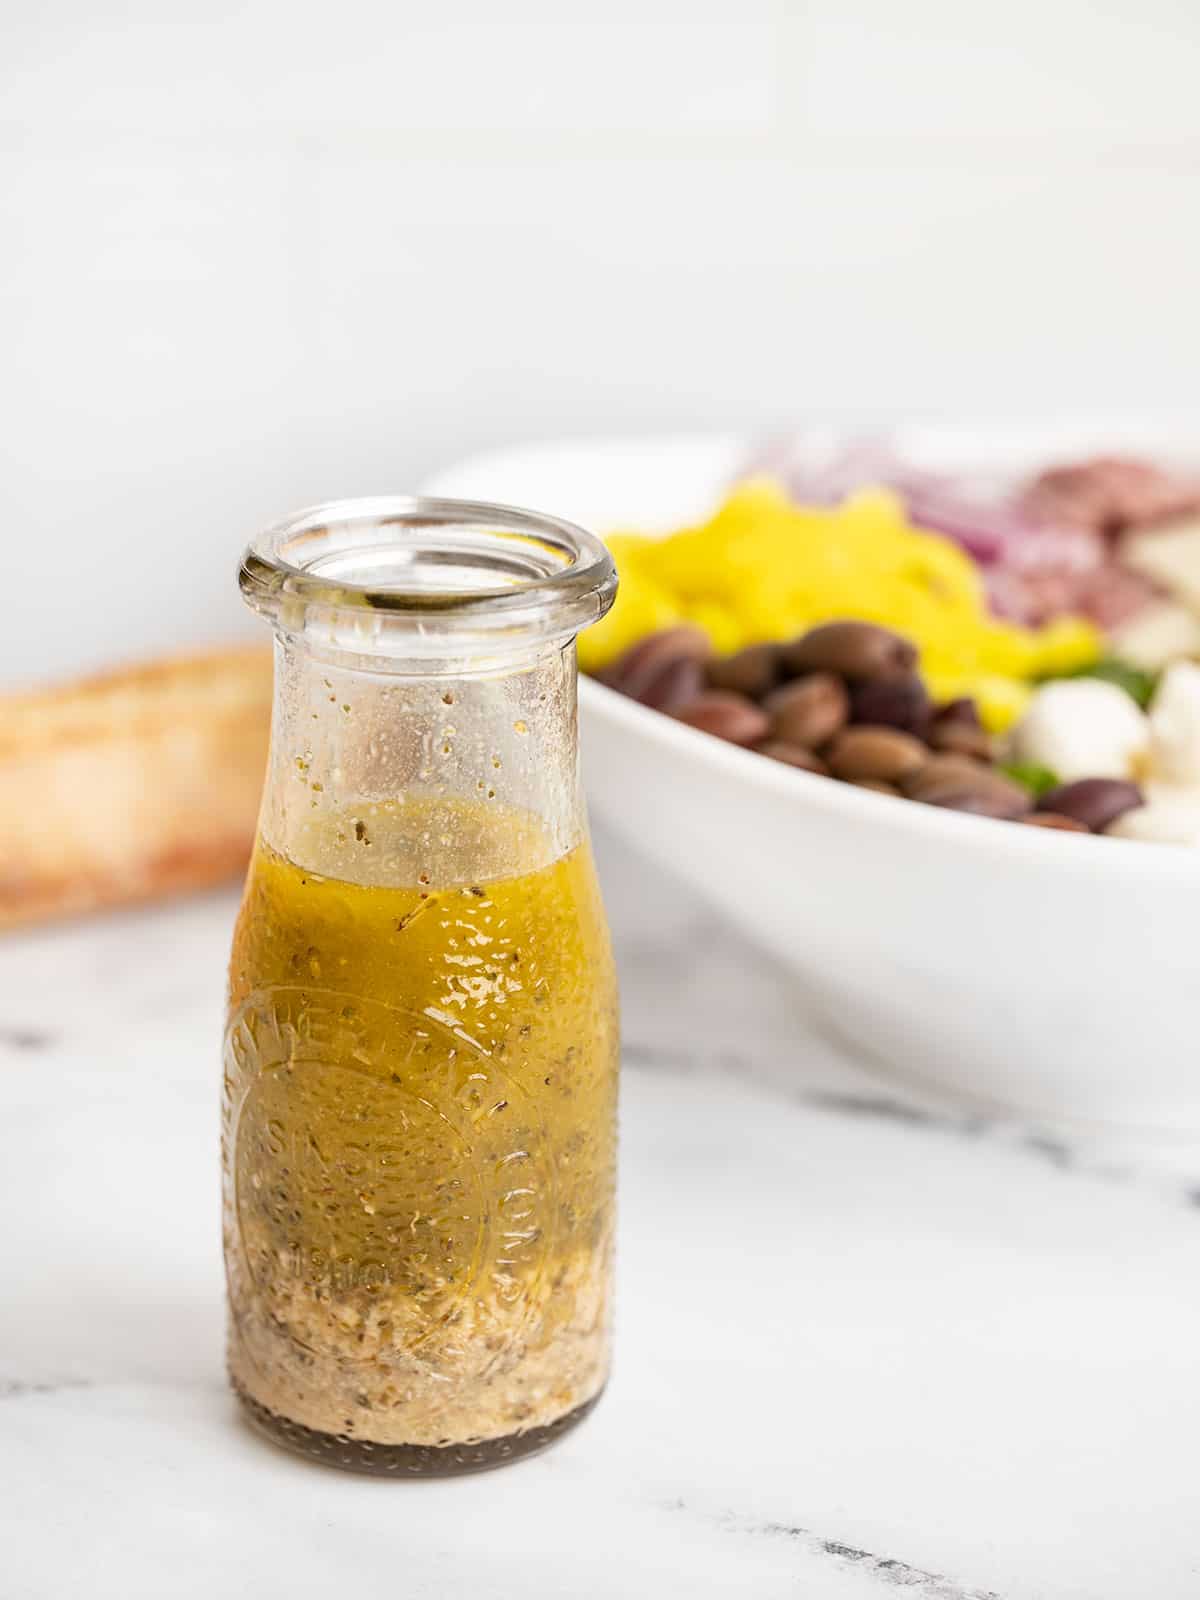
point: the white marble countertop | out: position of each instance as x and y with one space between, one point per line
863 1350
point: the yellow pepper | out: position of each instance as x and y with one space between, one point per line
763 568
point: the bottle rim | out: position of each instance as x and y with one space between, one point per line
421 575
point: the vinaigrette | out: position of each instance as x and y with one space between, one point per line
419 1107
420 1137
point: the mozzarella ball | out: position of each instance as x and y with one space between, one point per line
1171 815
1175 725
1083 728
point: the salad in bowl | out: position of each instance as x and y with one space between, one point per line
924 721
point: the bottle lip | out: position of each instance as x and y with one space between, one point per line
417 575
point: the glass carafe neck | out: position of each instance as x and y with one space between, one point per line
385 776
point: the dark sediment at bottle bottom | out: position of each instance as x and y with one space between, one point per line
408 1460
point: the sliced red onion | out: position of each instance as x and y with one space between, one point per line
1042 546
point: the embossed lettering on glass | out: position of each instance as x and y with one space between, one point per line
419 1109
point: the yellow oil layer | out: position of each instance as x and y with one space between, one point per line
420 1099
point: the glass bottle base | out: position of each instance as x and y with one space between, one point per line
407 1460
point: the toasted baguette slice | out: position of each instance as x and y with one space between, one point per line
132 785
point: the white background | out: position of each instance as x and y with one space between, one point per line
253 255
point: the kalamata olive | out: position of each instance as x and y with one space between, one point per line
641 665
792 755
957 727
971 788
897 701
964 710
1051 819
855 650
673 682
876 785
1094 802
960 738
726 715
884 753
944 767
809 711
754 671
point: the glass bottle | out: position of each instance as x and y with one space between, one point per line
421 1057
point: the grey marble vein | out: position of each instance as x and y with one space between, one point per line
20 1388
1052 1149
24 1041
891 1572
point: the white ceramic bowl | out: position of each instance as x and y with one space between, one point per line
1033 971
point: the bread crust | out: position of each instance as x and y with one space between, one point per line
131 785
